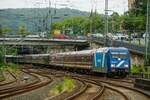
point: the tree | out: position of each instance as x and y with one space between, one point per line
139 8
4 30
22 30
134 23
77 24
1 55
115 22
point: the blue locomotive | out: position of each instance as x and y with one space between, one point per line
111 61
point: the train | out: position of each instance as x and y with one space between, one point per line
112 61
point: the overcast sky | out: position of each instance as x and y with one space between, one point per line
119 6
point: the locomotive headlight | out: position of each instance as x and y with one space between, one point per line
112 65
126 66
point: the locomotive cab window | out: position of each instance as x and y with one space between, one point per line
119 55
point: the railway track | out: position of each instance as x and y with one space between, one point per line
15 90
2 77
129 91
87 87
81 91
81 88
119 82
103 89
7 80
113 84
86 95
90 84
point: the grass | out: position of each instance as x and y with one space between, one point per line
1 78
10 67
67 85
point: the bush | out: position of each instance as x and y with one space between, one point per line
138 69
135 69
67 85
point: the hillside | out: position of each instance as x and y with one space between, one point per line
35 19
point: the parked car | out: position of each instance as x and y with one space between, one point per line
97 35
119 36
144 35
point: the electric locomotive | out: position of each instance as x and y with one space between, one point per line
118 61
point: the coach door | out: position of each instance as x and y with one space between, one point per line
98 61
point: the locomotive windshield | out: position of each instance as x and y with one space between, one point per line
119 55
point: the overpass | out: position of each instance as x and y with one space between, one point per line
42 45
41 42
140 50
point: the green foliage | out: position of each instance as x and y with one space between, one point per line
135 19
134 23
22 30
10 67
78 21
135 69
1 75
2 54
2 78
11 51
34 18
5 50
139 8
4 30
81 25
67 85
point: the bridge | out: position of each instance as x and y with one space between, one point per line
41 42
42 45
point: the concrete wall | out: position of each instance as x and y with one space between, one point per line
137 59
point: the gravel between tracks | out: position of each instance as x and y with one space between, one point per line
111 95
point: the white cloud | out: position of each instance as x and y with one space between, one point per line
119 6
